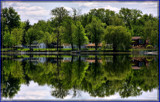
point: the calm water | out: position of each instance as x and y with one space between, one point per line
112 77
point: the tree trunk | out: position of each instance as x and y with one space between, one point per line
57 43
57 39
96 46
72 46
60 44
30 46
114 48
79 47
72 59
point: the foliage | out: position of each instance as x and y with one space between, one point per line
118 36
69 29
80 37
16 36
95 30
100 78
10 18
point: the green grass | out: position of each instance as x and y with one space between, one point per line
6 49
44 56
44 49
23 56
141 49
67 49
25 49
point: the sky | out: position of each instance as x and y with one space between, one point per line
36 92
34 11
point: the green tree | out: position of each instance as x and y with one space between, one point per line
130 16
47 38
16 36
26 27
33 35
151 32
69 28
80 37
59 15
6 39
118 36
95 30
10 17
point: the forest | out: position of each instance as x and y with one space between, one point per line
97 26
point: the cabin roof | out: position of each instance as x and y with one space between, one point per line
66 44
135 67
18 46
93 44
136 38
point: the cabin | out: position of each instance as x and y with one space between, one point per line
74 46
137 40
68 46
18 47
92 45
35 44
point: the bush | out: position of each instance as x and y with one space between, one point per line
149 47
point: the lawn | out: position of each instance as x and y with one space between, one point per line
66 49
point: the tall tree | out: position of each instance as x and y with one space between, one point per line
33 35
16 36
26 27
47 38
6 39
10 17
80 37
118 36
59 15
151 32
69 28
95 30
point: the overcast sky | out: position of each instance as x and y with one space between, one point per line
35 11
37 92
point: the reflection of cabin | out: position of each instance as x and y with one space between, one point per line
92 60
36 60
35 44
138 62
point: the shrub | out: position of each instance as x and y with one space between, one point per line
149 47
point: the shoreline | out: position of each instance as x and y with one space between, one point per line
79 53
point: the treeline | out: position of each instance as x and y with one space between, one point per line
98 79
97 26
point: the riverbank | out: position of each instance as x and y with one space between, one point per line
139 52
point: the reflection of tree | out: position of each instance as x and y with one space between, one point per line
12 77
144 79
119 68
59 92
94 77
42 73
72 75
113 75
10 86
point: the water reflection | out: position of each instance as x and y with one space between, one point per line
99 76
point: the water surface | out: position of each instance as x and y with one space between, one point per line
109 77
